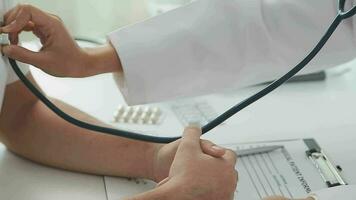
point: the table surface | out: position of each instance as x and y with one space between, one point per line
322 110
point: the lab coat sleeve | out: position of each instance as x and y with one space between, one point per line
214 45
336 193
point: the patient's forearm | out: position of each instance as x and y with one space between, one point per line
45 138
34 132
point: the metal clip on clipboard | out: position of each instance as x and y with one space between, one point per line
327 170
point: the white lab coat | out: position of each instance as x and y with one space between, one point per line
214 45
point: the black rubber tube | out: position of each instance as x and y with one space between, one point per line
211 125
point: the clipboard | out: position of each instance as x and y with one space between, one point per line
330 173
295 170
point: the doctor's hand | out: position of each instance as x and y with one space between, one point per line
59 55
196 175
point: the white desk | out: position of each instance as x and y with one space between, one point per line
323 110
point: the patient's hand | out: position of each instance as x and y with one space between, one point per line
195 175
59 55
165 155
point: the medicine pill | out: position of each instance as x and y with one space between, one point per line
137 115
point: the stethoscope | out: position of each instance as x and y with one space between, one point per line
342 14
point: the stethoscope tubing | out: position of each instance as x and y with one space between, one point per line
214 123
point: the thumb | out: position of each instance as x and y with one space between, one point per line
212 149
163 182
191 140
23 55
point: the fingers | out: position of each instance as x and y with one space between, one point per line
230 156
23 55
19 18
164 181
212 149
27 18
191 140
10 15
192 135
14 37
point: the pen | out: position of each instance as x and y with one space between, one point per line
319 76
257 150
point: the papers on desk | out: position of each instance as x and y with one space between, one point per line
287 172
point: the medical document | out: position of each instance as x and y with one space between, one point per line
287 172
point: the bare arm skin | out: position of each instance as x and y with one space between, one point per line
29 129
58 46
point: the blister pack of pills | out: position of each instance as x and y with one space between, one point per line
138 115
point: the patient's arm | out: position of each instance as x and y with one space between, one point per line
30 130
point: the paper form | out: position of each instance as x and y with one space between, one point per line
286 172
